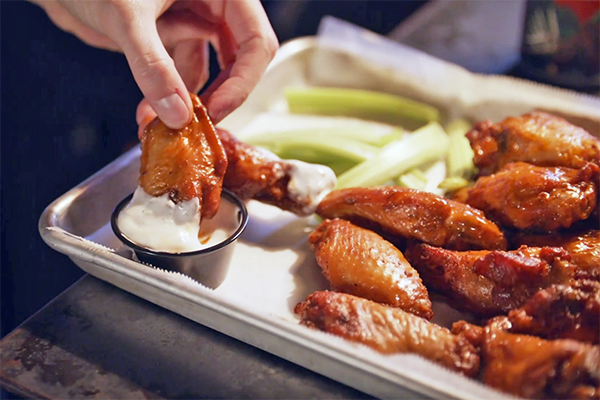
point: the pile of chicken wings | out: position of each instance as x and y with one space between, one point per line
518 252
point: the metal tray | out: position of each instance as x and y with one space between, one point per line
272 267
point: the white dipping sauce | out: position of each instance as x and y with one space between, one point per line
159 224
309 183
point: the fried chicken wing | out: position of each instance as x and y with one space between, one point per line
360 262
583 246
569 311
414 214
527 197
387 329
535 368
257 174
186 163
537 138
489 283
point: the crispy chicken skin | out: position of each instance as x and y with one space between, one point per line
527 197
535 368
488 283
185 163
360 262
582 245
561 312
414 214
387 329
256 174
537 138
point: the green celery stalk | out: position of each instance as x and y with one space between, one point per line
460 154
369 133
426 144
327 147
414 179
360 104
453 183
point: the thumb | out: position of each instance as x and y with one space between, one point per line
155 73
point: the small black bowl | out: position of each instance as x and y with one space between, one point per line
208 266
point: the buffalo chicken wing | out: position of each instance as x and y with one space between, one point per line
185 164
527 197
414 214
257 174
387 329
537 138
489 283
582 245
567 311
360 262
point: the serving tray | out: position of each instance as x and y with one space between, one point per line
272 267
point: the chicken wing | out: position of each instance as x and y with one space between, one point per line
387 329
535 368
583 246
414 214
360 262
537 138
257 174
186 163
561 312
489 283
527 197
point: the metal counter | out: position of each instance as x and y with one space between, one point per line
97 341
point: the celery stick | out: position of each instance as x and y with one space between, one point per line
414 179
340 166
376 134
453 183
460 154
424 145
327 145
359 103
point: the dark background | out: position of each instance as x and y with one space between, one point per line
69 109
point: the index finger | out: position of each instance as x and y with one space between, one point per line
256 46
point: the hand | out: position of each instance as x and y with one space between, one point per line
166 45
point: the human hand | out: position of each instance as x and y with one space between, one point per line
166 45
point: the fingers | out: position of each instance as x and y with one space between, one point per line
191 60
256 47
154 70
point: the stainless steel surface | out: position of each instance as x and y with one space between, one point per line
96 341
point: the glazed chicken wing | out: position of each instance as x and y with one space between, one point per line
535 368
569 311
527 197
583 246
414 214
489 283
387 329
187 163
360 262
537 138
257 174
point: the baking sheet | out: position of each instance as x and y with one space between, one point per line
272 267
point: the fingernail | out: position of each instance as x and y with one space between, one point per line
172 111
